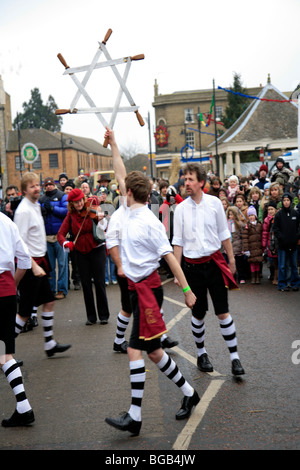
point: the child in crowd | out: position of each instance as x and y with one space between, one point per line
268 242
254 198
252 238
233 188
264 202
236 228
242 207
225 203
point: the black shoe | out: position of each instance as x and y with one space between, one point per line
89 322
77 286
104 322
19 362
125 423
59 348
204 364
19 419
122 348
168 343
295 289
34 321
236 367
187 405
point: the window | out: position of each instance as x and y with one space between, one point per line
219 112
53 160
37 165
188 115
17 163
190 139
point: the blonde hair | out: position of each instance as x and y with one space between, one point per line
254 189
28 178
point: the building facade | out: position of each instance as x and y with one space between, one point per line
187 123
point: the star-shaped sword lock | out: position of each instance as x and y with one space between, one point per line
88 69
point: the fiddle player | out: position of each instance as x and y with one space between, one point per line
90 255
35 288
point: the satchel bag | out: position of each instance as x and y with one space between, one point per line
98 233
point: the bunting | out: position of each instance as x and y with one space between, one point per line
253 97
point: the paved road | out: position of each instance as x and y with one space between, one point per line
72 393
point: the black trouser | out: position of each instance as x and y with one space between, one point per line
92 266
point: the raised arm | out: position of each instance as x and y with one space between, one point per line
118 164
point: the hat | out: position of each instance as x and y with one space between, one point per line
70 183
263 168
63 175
104 177
251 211
272 204
75 195
48 180
279 159
267 185
103 189
287 195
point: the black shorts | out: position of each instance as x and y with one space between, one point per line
125 298
8 308
203 277
135 342
34 291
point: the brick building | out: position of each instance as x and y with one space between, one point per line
58 152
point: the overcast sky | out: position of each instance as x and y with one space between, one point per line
186 46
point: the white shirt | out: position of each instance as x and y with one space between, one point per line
11 247
200 228
141 239
28 217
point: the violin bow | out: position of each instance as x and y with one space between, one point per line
82 223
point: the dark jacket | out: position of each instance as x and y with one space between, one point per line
54 208
287 226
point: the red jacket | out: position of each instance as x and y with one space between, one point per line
85 242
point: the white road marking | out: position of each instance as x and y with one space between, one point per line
184 438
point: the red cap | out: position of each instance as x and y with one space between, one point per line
75 195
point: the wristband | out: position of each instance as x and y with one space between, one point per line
186 289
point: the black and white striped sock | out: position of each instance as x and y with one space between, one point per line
47 322
14 377
34 311
229 334
137 380
19 323
122 323
198 330
171 370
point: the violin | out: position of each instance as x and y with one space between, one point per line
87 210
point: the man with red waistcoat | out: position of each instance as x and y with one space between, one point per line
200 226
144 242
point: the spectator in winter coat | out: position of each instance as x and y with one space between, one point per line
54 209
266 239
252 235
286 228
282 171
262 177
